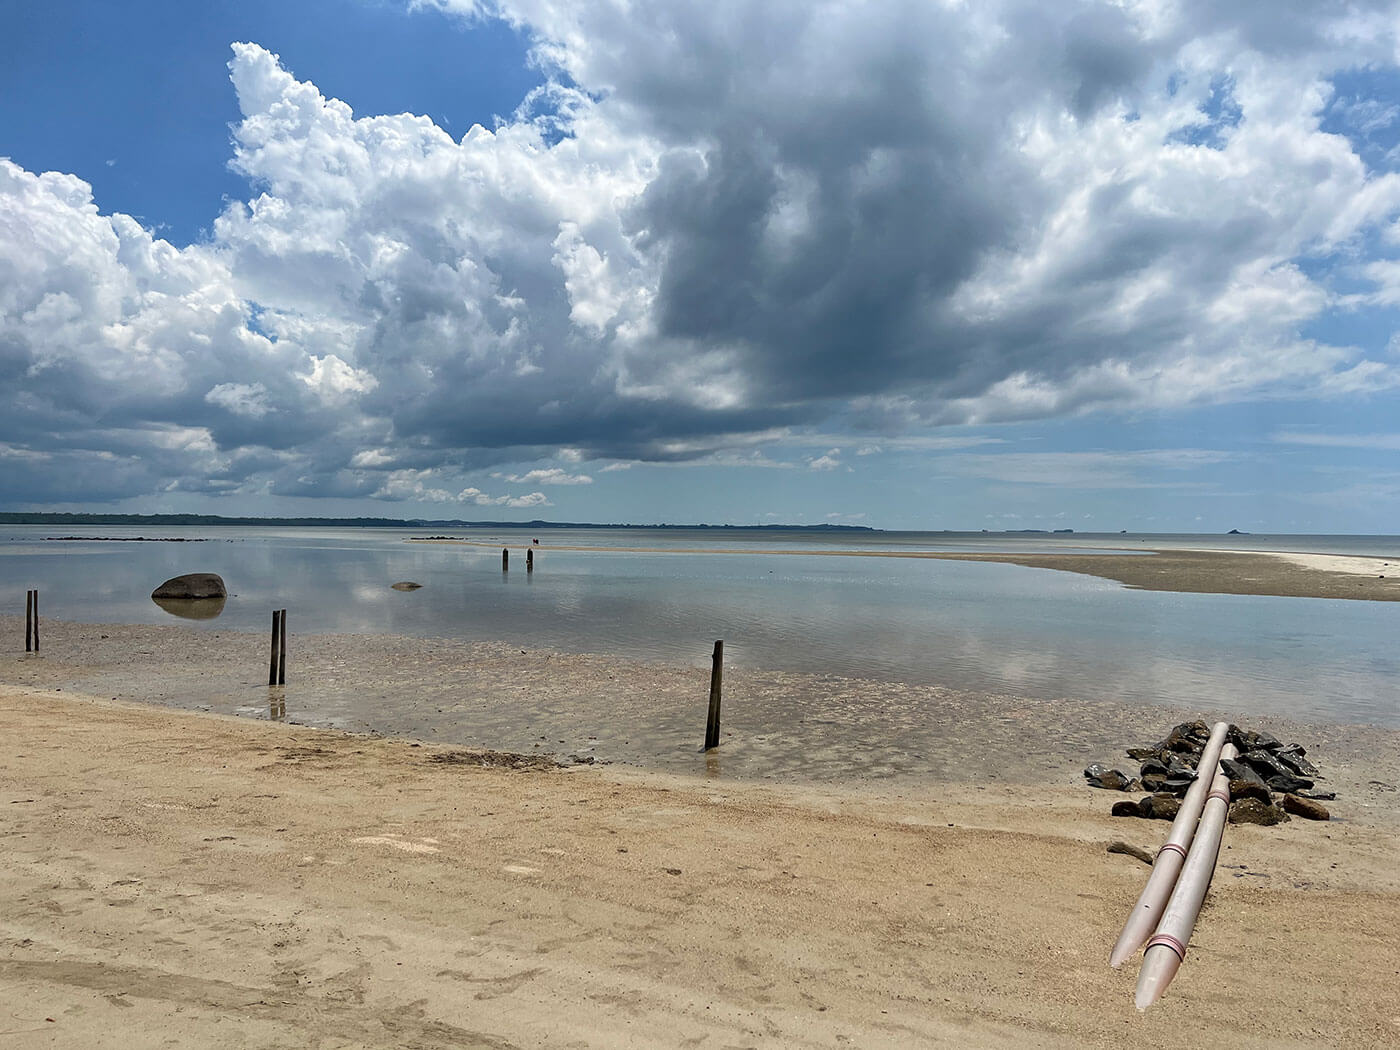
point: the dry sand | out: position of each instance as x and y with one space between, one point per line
1278 573
178 879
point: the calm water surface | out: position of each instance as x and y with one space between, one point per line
988 627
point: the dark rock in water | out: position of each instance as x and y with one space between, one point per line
1252 811
1113 779
406 585
1306 807
1127 807
1161 807
192 586
1131 851
192 608
1237 770
1250 789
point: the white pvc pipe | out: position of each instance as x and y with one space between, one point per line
1167 948
1148 910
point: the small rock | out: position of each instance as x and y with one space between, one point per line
1320 796
1292 756
1249 740
1250 789
406 585
1128 807
1236 770
1287 783
1266 764
1252 811
1161 806
1113 779
1189 736
1306 807
1131 851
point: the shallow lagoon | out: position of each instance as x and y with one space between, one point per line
974 626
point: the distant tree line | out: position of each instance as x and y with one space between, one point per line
71 518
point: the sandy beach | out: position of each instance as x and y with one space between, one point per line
184 879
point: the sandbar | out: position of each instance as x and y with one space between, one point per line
1272 573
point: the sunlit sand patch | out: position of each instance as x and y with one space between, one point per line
520 869
397 843
1356 566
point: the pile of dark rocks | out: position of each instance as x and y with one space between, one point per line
1264 769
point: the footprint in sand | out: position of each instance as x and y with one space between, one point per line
391 839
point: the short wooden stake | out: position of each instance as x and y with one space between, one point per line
530 559
505 559
28 621
716 677
36 619
282 650
276 638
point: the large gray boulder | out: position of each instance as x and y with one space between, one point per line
192 585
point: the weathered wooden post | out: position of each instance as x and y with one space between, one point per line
272 667
282 650
505 559
716 677
31 621
530 559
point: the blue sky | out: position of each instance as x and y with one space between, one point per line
1097 267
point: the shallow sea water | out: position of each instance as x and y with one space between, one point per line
965 626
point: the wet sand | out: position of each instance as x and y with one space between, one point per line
1279 574
173 878
777 725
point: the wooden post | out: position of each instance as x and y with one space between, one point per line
505 559
272 667
716 677
36 619
28 620
530 559
282 650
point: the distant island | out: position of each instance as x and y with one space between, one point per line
70 518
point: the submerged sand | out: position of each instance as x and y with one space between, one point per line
181 879
777 725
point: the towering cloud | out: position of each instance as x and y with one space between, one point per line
718 221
